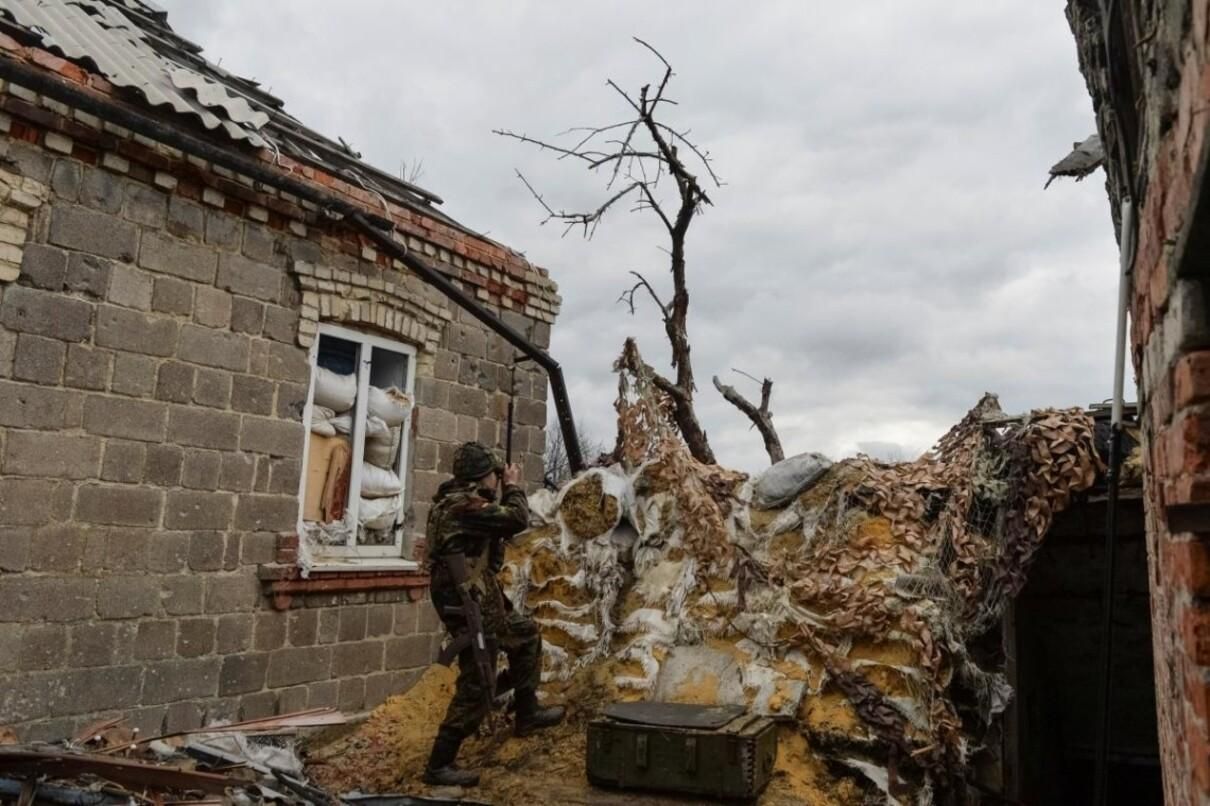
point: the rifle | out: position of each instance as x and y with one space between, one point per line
496 556
483 651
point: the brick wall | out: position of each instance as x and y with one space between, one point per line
152 375
1170 340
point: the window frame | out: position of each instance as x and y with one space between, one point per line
358 554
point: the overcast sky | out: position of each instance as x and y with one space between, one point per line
882 246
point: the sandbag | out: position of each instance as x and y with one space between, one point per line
379 482
381 453
390 405
375 427
321 421
379 513
333 390
788 479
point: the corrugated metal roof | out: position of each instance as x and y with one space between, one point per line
94 31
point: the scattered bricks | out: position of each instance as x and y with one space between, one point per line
195 637
100 643
84 691
186 219
247 316
42 647
136 332
197 510
236 593
212 388
237 472
167 552
133 375
288 363
145 205
174 382
43 313
124 462
49 455
409 652
163 467
56 548
44 266
39 360
204 429
180 680
178 258
262 513
352 624
200 470
65 179
270 631
118 505
252 395
242 674
125 418
272 437
437 424
122 597
234 634
241 276
181 595
303 626
101 190
14 553
97 233
288 667
213 348
281 324
172 296
130 287
352 694
357 659
212 308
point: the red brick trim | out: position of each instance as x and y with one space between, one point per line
284 582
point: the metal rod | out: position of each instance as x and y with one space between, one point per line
376 227
1105 700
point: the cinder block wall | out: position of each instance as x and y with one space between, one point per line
151 388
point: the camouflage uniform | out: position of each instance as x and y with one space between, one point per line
465 520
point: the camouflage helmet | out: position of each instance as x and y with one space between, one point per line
474 461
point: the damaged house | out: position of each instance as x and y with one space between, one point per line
224 405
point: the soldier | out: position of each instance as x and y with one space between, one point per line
465 519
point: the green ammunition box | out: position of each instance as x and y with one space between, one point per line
717 751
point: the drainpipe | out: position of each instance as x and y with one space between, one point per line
379 229
1105 723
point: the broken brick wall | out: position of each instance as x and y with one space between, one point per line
1165 84
153 317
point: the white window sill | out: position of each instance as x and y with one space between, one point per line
377 564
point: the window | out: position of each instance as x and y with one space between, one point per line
359 413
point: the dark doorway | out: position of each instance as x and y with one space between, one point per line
1050 730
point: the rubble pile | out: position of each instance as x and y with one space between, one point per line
859 608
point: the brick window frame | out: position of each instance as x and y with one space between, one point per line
336 559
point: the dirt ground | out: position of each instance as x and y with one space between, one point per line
387 752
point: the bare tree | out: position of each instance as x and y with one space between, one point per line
639 154
761 416
556 468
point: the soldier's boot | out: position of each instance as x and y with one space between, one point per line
441 770
531 718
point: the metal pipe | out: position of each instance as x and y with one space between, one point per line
1105 723
376 227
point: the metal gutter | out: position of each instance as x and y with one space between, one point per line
377 228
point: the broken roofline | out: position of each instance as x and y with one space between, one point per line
419 221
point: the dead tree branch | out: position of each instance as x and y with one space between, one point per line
761 417
641 153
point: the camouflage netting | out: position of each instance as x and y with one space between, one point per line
855 610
